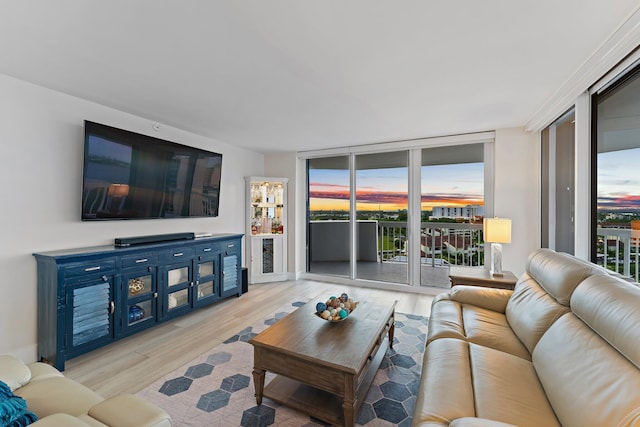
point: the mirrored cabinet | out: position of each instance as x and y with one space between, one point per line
267 230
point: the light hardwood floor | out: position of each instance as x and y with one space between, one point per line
129 365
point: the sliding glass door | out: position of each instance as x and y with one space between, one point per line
452 206
328 215
400 216
382 182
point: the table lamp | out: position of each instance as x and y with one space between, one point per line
497 231
117 194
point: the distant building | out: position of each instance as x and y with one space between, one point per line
466 212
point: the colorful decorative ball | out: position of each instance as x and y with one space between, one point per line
336 309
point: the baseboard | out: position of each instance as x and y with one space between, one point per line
280 277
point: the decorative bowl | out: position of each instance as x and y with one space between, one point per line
336 309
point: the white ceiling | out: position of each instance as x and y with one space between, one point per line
299 74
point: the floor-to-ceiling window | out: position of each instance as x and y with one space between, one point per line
452 209
616 186
328 214
382 185
393 213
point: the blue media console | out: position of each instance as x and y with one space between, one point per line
90 297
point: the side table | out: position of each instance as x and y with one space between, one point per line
481 277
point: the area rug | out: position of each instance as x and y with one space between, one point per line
216 389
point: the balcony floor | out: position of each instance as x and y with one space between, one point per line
393 272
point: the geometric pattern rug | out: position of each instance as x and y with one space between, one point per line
216 388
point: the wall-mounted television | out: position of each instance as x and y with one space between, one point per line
127 175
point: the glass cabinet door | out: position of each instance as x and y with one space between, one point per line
266 230
178 297
140 294
206 282
267 207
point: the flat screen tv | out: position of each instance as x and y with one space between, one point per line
127 175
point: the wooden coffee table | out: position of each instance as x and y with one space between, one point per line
323 369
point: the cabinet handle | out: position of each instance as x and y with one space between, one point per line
112 307
206 250
178 254
142 260
231 245
92 268
155 295
191 284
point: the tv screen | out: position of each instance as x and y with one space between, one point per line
127 175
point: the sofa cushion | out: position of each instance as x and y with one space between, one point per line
462 379
543 293
531 310
58 394
91 421
475 314
446 388
13 372
507 389
478 422
60 420
611 307
483 327
558 273
587 360
127 410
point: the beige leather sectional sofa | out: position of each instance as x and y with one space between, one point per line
61 402
562 349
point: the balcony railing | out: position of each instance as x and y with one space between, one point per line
618 250
453 243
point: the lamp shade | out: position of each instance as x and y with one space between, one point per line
118 190
497 230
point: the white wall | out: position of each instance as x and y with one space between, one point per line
41 137
516 193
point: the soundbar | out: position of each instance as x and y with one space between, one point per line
142 240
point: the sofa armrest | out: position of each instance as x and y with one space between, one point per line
127 410
59 420
42 371
489 298
478 422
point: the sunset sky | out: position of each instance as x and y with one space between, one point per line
619 180
386 189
